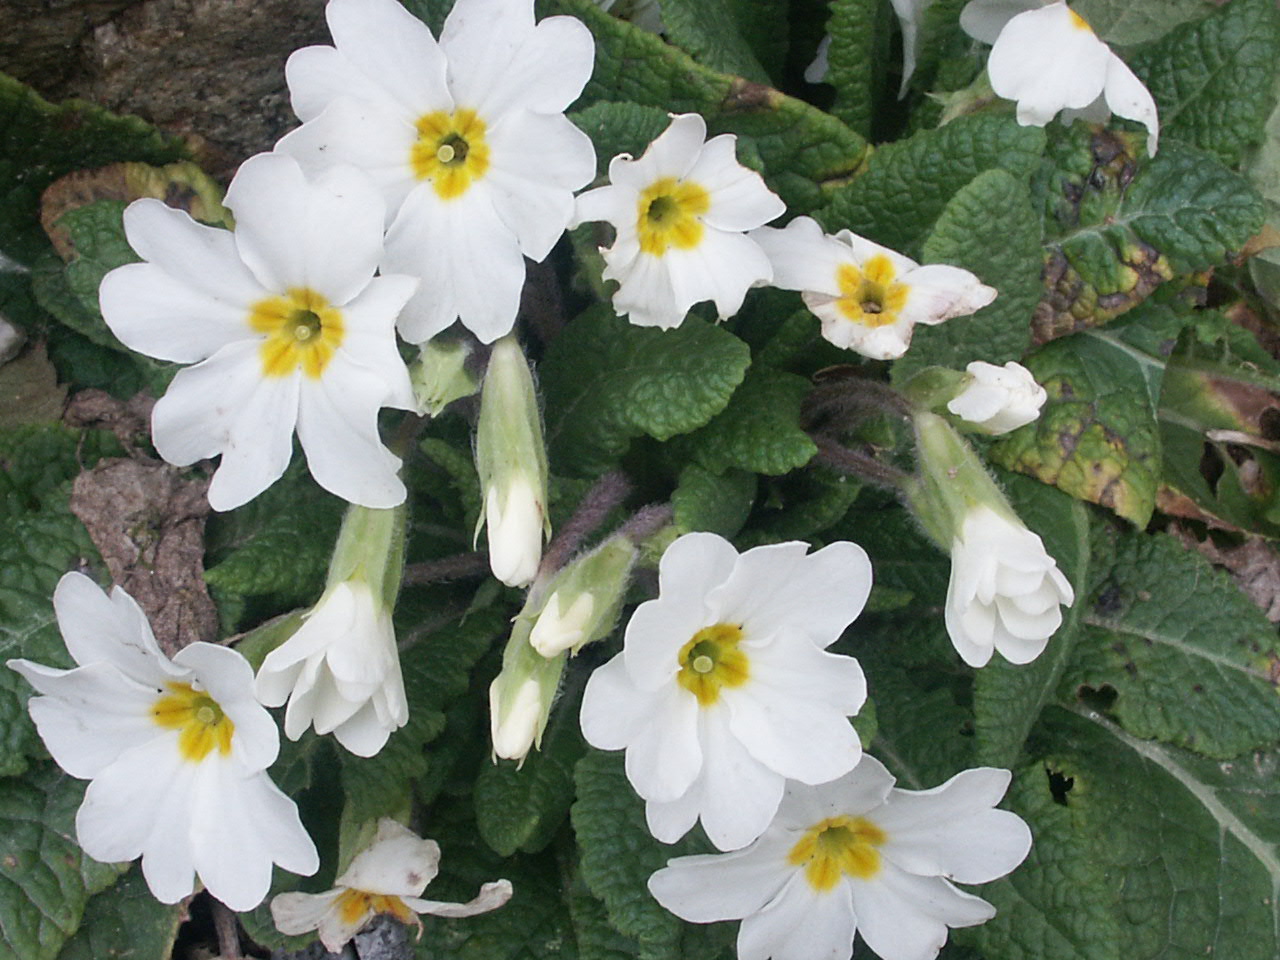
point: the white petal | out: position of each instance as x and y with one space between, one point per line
499 61
227 677
645 294
903 917
614 711
369 337
89 715
722 267
670 821
861 790
297 913
984 19
666 756
939 292
879 343
739 198
603 203
538 161
740 795
781 585
1045 61
364 135
397 863
318 76
338 429
323 235
801 924
728 886
469 262
1128 97
672 154
113 628
392 47
803 257
491 896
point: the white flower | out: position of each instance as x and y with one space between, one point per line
388 876
515 725
1005 590
557 630
340 672
868 297
289 326
724 690
856 854
1047 58
177 752
998 399
466 139
514 522
680 212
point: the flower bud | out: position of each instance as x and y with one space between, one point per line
440 375
584 599
995 400
517 724
512 463
559 630
520 696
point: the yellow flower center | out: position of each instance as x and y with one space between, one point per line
712 660
302 330
354 905
838 846
451 151
1079 22
667 215
870 296
202 726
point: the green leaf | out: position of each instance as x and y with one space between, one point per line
1008 698
45 880
521 806
437 671
1150 852
803 148
1126 22
1117 228
908 184
1177 652
597 939
990 229
1097 437
801 506
759 431
126 922
278 544
715 502
617 128
852 63
1212 79
617 853
765 27
707 31
606 382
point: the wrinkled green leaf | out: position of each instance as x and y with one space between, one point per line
1126 22
708 32
759 430
712 501
617 128
125 922
606 382
852 62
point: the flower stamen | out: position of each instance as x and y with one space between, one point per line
871 296
451 151
202 726
302 330
838 846
667 215
712 660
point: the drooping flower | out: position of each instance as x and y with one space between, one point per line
858 855
177 752
868 297
1047 58
1005 591
286 325
724 688
998 399
681 212
466 139
388 876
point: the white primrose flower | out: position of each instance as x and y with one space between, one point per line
1005 590
177 752
1047 58
998 399
856 855
465 137
286 325
681 212
340 672
388 876
868 297
723 689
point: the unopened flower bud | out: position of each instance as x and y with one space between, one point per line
584 599
516 725
512 463
995 400
558 630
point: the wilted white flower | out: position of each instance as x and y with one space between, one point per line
998 399
286 325
681 212
1005 590
177 752
724 690
868 297
388 877
856 855
340 672
466 138
1047 58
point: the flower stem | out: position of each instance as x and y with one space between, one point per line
460 566
228 930
604 496
858 464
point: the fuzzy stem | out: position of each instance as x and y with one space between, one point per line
228 930
604 496
458 567
858 464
